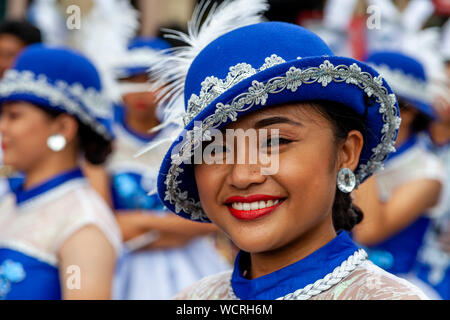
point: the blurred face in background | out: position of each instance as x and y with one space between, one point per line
10 47
24 129
139 100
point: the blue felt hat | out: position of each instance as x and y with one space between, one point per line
263 65
406 76
59 79
140 56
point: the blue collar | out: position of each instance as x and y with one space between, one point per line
295 276
410 142
119 118
25 195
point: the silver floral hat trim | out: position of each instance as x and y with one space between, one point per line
257 94
28 82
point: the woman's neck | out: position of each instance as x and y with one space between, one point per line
47 169
268 262
141 123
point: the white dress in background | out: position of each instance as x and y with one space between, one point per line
433 263
398 254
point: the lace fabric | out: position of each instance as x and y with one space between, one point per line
40 227
366 282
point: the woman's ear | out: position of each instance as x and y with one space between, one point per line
350 150
66 125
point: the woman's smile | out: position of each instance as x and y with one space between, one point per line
253 206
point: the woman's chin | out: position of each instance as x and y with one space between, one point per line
253 245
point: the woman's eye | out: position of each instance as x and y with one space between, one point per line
217 149
11 115
274 142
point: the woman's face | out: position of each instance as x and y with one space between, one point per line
140 103
24 130
298 196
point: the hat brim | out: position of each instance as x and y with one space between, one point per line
421 106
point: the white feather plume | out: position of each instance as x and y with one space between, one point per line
172 69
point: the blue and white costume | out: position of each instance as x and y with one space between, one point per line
155 274
35 223
235 64
433 263
412 161
366 281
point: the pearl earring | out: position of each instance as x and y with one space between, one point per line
346 180
56 142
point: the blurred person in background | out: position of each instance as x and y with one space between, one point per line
14 37
433 263
398 202
58 238
165 252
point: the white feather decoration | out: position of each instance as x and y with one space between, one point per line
170 72
172 69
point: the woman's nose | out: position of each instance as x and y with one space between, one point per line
242 176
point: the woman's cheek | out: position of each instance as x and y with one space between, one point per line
208 181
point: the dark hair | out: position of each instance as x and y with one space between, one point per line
21 29
345 214
95 147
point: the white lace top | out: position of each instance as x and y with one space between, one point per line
366 282
39 226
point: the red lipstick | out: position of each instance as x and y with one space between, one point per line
255 213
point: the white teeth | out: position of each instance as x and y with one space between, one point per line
246 206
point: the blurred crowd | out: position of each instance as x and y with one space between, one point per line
118 230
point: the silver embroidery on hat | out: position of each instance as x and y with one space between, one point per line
27 81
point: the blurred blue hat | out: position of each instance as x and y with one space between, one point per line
59 79
142 53
406 76
263 65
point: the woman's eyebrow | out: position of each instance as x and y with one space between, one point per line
275 120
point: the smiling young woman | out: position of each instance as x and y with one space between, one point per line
266 212
336 119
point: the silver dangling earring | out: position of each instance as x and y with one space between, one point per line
56 142
346 180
